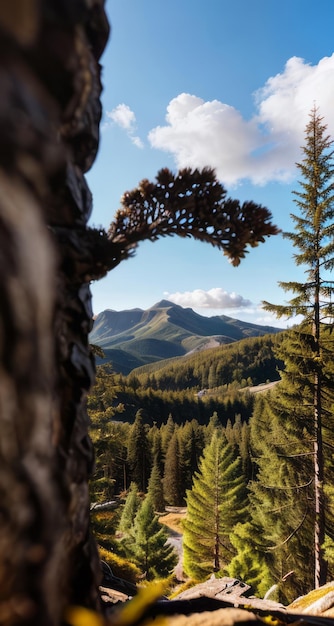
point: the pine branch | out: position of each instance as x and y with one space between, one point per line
188 204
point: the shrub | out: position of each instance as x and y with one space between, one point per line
122 568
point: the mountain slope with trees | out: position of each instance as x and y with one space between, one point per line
135 337
192 387
249 361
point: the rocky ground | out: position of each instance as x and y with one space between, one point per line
223 602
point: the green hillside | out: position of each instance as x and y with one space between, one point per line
250 361
197 385
133 338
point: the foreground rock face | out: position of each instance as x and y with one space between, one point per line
317 602
223 602
228 590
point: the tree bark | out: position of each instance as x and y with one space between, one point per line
320 565
49 118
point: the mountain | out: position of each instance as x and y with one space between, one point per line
135 337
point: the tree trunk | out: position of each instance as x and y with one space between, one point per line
320 569
49 118
216 561
319 525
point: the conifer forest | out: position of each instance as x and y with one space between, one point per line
253 473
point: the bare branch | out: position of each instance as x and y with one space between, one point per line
286 488
270 549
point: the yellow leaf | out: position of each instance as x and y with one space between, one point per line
135 608
79 616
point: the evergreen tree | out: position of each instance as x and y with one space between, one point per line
172 481
249 564
237 429
213 426
191 444
282 495
154 438
131 506
216 502
138 456
212 376
155 488
108 437
229 431
157 453
329 504
167 431
314 238
148 547
245 452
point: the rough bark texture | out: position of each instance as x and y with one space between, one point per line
49 118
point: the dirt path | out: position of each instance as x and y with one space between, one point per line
173 521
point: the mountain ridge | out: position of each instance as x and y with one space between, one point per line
135 337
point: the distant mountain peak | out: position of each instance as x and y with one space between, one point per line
163 304
135 337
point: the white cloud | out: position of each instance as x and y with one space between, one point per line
136 141
125 118
210 302
215 298
265 148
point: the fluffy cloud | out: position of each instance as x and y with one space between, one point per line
215 298
262 149
124 117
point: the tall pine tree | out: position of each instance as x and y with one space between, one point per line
147 545
172 480
191 444
282 495
314 239
131 506
249 564
155 488
216 502
138 456
108 437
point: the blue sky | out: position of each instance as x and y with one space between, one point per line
228 84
